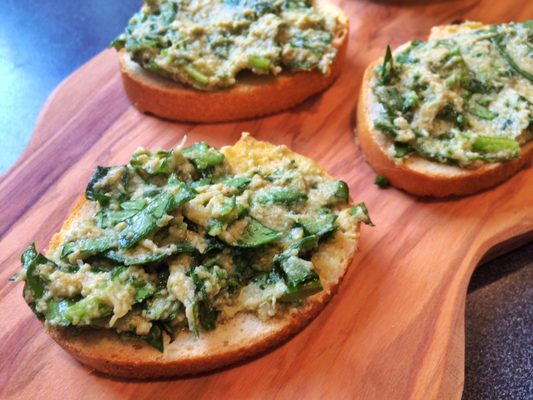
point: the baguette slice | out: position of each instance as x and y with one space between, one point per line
418 175
241 337
252 96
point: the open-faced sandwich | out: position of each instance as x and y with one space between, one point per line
453 115
186 260
220 60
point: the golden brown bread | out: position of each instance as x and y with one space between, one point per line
252 96
418 175
238 338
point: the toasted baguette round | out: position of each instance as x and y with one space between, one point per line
252 96
239 338
418 175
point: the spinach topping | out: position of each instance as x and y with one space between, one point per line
445 99
206 45
174 239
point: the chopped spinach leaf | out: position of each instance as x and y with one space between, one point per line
89 246
256 234
145 222
387 68
382 181
361 212
203 156
341 191
94 194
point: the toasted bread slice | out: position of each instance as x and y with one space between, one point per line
252 96
418 175
241 337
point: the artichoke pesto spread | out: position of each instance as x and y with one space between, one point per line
206 43
175 240
464 100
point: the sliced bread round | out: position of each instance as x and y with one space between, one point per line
252 96
239 338
416 174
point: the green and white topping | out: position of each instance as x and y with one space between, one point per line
464 100
206 43
174 240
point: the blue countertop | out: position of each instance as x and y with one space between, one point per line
41 43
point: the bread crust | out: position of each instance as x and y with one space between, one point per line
418 175
237 339
252 96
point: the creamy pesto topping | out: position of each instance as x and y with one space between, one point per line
464 100
206 43
174 240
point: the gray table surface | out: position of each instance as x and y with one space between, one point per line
42 42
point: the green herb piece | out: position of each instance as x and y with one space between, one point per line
301 291
450 114
319 226
203 156
489 144
117 271
182 192
154 338
118 43
144 222
305 245
297 4
386 126
361 213
28 256
387 68
168 11
161 307
96 195
410 101
242 211
341 191
114 217
405 56
482 112
153 67
256 234
207 315
134 45
297 270
401 150
143 293
301 279
228 209
382 181
87 309
215 227
122 257
136 205
152 163
88 247
196 75
390 98
496 41
35 282
260 63
55 311
282 196
239 183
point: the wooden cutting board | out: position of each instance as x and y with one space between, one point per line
396 328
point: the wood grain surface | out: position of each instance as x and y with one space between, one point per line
396 328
